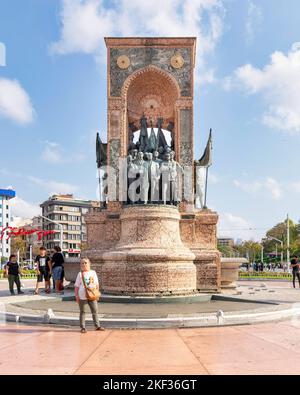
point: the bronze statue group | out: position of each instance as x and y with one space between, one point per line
153 173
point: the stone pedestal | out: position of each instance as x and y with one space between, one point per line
71 269
149 258
230 271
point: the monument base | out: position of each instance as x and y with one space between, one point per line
149 258
153 250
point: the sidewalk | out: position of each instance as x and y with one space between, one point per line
255 349
271 348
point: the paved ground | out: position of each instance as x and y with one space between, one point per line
272 348
255 349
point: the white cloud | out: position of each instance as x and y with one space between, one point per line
15 103
84 23
234 226
268 185
254 20
249 187
53 187
52 153
21 209
55 154
279 84
295 186
18 222
274 187
213 178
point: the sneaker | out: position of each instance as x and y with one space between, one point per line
12 293
20 292
83 330
100 328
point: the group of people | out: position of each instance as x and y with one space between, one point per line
46 267
264 267
86 285
50 266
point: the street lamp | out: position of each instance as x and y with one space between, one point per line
281 242
60 226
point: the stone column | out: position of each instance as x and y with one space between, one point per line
116 138
185 149
199 233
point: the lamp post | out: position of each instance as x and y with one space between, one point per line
281 242
30 255
288 243
60 226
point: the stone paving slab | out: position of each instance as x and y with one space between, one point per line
255 349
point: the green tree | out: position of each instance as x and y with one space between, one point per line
250 249
18 244
279 231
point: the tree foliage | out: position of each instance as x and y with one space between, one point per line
252 250
18 244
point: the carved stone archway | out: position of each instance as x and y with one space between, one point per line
151 91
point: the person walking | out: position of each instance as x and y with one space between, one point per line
13 273
296 272
43 270
87 285
261 267
56 264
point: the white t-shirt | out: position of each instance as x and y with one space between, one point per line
90 279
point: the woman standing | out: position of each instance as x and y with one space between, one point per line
87 283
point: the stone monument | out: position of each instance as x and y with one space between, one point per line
148 238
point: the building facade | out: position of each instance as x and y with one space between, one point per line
5 220
68 214
226 241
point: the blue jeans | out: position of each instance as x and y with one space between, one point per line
56 273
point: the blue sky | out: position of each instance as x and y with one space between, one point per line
53 98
